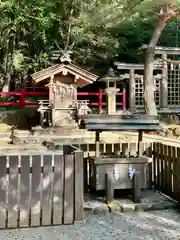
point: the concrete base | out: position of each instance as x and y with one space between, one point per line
151 201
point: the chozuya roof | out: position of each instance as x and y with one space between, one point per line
65 67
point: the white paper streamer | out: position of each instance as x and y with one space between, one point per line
131 172
116 173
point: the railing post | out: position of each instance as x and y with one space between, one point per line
100 103
22 100
124 99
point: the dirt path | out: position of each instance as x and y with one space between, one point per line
162 225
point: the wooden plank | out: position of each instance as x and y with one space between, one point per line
165 151
79 188
25 192
47 190
58 189
153 164
174 172
115 116
13 205
85 167
36 188
109 127
114 121
178 174
161 167
69 189
169 188
158 166
3 189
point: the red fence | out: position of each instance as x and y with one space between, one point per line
99 103
21 101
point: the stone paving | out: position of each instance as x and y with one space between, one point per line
158 225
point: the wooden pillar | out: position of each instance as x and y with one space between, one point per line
164 83
109 189
140 145
136 188
131 93
97 144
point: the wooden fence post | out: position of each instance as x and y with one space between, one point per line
109 189
100 102
79 187
136 195
124 99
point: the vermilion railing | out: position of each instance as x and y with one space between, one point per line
21 102
99 103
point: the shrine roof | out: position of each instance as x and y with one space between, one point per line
65 69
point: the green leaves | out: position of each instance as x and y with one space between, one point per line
100 30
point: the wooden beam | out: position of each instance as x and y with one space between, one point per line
124 66
140 145
159 50
164 83
97 144
131 90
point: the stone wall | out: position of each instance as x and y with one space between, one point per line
20 116
4 114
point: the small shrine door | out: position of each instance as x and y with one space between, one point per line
63 97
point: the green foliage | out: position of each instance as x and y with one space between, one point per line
101 31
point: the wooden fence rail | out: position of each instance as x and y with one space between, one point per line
124 149
41 189
166 169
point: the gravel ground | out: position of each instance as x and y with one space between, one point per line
143 225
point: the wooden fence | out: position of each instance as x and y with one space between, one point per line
124 149
41 189
166 169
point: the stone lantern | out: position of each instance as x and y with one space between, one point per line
111 91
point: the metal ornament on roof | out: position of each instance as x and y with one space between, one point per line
66 56
62 55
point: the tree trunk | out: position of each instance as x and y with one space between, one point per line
167 12
9 60
149 87
69 27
